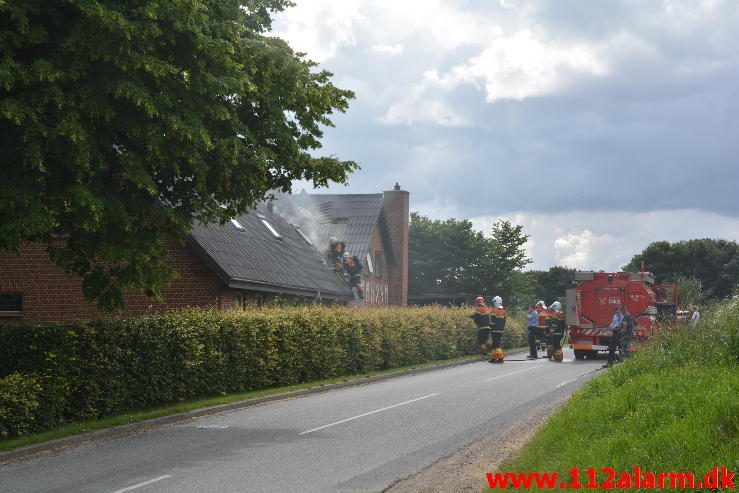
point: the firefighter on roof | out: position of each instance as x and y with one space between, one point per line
353 268
556 330
498 319
336 251
482 321
543 327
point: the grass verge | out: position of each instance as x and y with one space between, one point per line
190 405
673 408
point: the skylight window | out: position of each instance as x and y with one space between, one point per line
269 226
237 224
303 235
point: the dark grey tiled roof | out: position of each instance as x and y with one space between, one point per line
351 218
255 257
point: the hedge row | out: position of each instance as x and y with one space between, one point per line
52 375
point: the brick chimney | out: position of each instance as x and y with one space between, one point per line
395 208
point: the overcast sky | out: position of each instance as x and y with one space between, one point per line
600 126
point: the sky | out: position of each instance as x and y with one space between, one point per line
600 127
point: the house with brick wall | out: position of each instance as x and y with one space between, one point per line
277 251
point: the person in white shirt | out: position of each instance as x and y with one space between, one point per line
695 317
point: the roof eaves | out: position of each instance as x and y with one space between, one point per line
283 289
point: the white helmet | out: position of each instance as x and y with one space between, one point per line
556 306
541 304
497 302
347 255
332 241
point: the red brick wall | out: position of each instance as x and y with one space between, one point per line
376 287
49 295
395 206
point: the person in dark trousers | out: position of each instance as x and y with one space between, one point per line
615 336
353 268
627 331
498 318
532 320
482 321
543 328
556 330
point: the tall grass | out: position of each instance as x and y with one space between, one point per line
673 408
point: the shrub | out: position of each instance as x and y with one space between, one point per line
50 375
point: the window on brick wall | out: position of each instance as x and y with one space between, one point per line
11 302
370 267
379 264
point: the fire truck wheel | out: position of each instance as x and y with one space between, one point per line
580 353
592 354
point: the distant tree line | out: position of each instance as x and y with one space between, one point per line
705 269
450 256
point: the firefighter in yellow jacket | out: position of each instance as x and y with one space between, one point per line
482 321
556 330
543 328
498 315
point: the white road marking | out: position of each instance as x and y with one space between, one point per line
514 372
139 485
367 414
569 381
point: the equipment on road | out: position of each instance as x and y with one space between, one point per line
590 307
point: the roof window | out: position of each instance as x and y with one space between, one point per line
303 235
269 227
237 224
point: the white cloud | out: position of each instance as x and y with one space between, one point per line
578 250
606 240
395 49
320 28
521 66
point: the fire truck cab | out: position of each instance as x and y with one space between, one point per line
590 308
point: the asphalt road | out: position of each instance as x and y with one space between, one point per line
361 438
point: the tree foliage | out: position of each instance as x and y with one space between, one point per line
550 285
451 257
714 263
122 123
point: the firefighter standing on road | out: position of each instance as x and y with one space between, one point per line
482 320
532 320
498 316
543 327
556 330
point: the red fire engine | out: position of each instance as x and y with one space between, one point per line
591 304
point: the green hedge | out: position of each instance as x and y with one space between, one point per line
53 375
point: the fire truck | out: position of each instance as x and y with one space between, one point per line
590 308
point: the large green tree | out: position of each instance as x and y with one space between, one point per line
549 285
451 257
123 123
713 263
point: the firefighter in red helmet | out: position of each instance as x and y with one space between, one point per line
481 316
498 315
